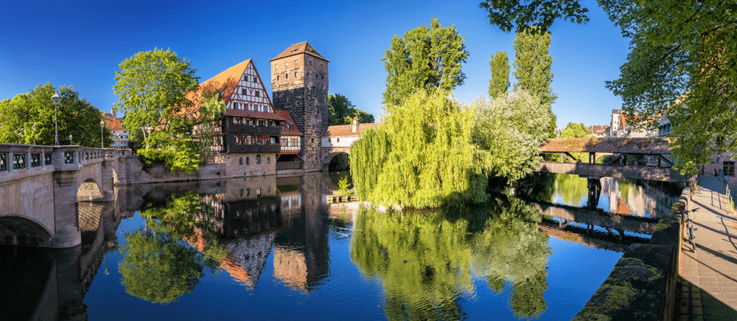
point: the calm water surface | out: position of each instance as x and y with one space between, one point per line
270 248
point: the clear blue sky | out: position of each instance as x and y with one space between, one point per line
82 43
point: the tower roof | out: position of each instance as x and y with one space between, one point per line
300 48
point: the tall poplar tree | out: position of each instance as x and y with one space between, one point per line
499 82
532 67
424 58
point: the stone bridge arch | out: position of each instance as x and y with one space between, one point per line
40 191
328 153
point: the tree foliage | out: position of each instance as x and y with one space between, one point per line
538 13
76 117
425 260
151 86
499 82
532 65
681 65
422 156
511 128
573 130
341 111
424 58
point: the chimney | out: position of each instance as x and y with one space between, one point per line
355 124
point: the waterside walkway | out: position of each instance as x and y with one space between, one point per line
708 282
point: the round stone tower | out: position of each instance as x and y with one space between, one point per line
299 82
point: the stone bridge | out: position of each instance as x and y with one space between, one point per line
339 139
41 187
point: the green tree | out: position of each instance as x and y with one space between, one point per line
499 82
341 111
575 131
424 58
680 65
151 88
532 65
210 111
511 128
422 156
76 117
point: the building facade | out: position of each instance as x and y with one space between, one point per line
120 134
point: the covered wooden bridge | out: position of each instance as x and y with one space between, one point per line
650 155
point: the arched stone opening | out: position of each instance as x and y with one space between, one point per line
88 191
337 162
19 230
89 217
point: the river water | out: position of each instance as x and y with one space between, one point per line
267 248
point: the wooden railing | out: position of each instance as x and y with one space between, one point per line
288 165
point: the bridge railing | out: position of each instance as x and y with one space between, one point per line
18 159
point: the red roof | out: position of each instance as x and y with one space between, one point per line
300 48
288 118
114 123
347 130
253 114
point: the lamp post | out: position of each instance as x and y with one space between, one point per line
34 133
70 139
102 125
57 100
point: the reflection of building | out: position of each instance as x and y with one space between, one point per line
301 249
644 200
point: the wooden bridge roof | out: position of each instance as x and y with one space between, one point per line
645 146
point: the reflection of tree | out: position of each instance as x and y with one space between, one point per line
626 186
159 266
425 261
571 188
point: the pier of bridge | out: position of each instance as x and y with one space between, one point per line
40 187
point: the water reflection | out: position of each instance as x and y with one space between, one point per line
271 248
425 261
614 195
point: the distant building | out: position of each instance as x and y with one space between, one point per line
599 130
120 134
619 127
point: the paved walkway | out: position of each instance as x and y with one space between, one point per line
708 282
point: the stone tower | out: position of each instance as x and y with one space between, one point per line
299 82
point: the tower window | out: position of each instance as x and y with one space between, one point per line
310 62
286 64
323 77
316 76
320 66
296 62
295 74
286 76
277 77
276 66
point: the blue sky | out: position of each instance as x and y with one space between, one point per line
82 43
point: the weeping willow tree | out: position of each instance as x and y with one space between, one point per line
424 261
423 155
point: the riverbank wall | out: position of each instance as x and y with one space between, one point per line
642 285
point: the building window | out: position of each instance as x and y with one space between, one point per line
249 140
286 64
248 191
286 76
235 105
323 77
257 93
240 162
296 61
316 76
268 160
241 192
258 159
728 168
310 62
320 66
277 77
248 161
245 78
244 91
337 140
237 139
295 74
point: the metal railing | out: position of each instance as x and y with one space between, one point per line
725 188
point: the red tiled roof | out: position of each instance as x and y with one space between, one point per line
288 118
300 48
347 130
595 129
114 123
253 114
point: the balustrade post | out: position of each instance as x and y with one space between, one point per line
10 161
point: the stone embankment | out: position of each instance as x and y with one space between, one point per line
642 285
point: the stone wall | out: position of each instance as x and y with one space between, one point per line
304 93
241 165
642 285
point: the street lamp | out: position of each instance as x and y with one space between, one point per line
70 139
57 100
34 133
102 125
